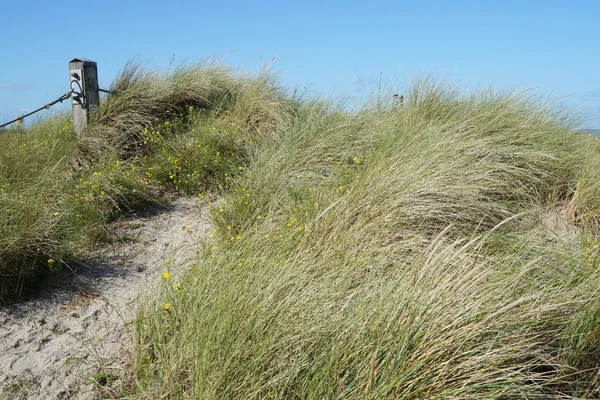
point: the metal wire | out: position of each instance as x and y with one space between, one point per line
19 120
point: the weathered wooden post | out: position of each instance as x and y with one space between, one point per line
398 101
85 96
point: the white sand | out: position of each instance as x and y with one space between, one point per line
50 346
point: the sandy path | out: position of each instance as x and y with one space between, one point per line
50 346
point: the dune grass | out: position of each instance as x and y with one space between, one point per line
445 250
156 135
431 252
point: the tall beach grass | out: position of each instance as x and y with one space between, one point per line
448 249
156 135
428 252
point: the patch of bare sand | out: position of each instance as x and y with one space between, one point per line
52 345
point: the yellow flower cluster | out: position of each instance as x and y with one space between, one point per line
591 251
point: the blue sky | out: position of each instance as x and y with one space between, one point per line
332 48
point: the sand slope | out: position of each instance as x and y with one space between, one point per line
50 346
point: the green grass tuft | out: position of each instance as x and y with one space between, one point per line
184 132
428 252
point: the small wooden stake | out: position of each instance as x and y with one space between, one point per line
398 101
83 75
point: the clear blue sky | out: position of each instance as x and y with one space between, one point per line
330 47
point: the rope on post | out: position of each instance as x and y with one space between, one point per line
20 119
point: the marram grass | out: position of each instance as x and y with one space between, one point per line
445 250
154 136
438 251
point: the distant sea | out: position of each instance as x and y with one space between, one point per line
594 131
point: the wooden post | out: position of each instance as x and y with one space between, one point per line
83 74
398 101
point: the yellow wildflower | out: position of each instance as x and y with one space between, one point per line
166 276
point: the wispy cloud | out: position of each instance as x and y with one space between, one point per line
13 86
